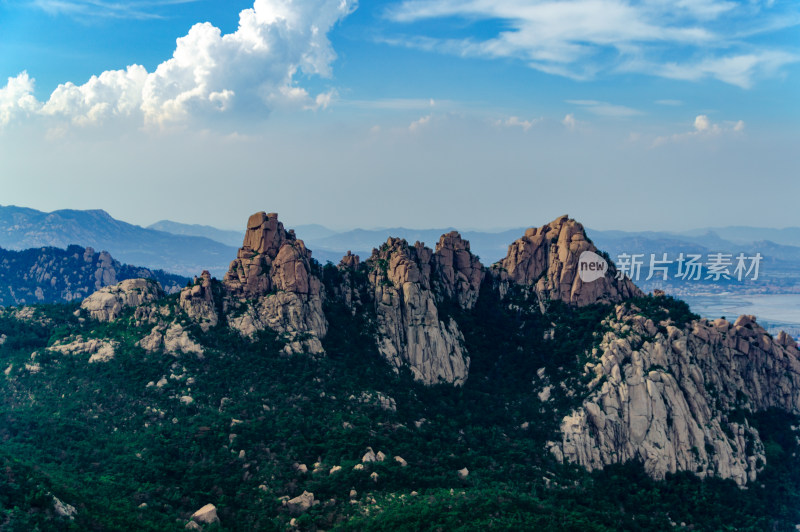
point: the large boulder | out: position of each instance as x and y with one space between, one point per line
206 515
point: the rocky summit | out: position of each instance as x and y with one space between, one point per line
416 385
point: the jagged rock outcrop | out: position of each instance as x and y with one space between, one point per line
108 303
270 285
458 273
410 331
347 289
173 339
547 259
198 301
661 394
101 350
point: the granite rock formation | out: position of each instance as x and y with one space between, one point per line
108 303
546 258
458 273
662 394
270 285
410 331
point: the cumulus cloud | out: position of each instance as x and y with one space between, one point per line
702 128
251 70
570 122
582 38
16 98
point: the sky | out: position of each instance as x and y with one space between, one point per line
475 114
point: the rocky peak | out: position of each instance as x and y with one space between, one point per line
270 285
459 273
547 259
198 301
264 235
268 248
350 261
410 331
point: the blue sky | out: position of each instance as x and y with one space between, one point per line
655 114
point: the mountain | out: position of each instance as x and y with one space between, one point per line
416 389
229 238
50 275
22 228
788 236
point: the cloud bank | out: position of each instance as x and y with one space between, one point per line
677 39
251 70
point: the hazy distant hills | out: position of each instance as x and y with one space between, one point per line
53 275
22 228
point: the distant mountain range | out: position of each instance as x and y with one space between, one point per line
188 249
22 228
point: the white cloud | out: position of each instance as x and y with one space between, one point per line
570 122
671 103
739 69
16 98
515 121
417 124
703 128
251 70
582 38
605 109
87 9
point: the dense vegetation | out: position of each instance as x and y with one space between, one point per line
130 455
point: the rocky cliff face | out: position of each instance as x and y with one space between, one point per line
546 258
270 285
458 273
664 395
410 331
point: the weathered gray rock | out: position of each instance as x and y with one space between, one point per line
661 394
409 329
108 303
546 259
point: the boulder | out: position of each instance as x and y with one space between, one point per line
301 503
108 303
206 515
